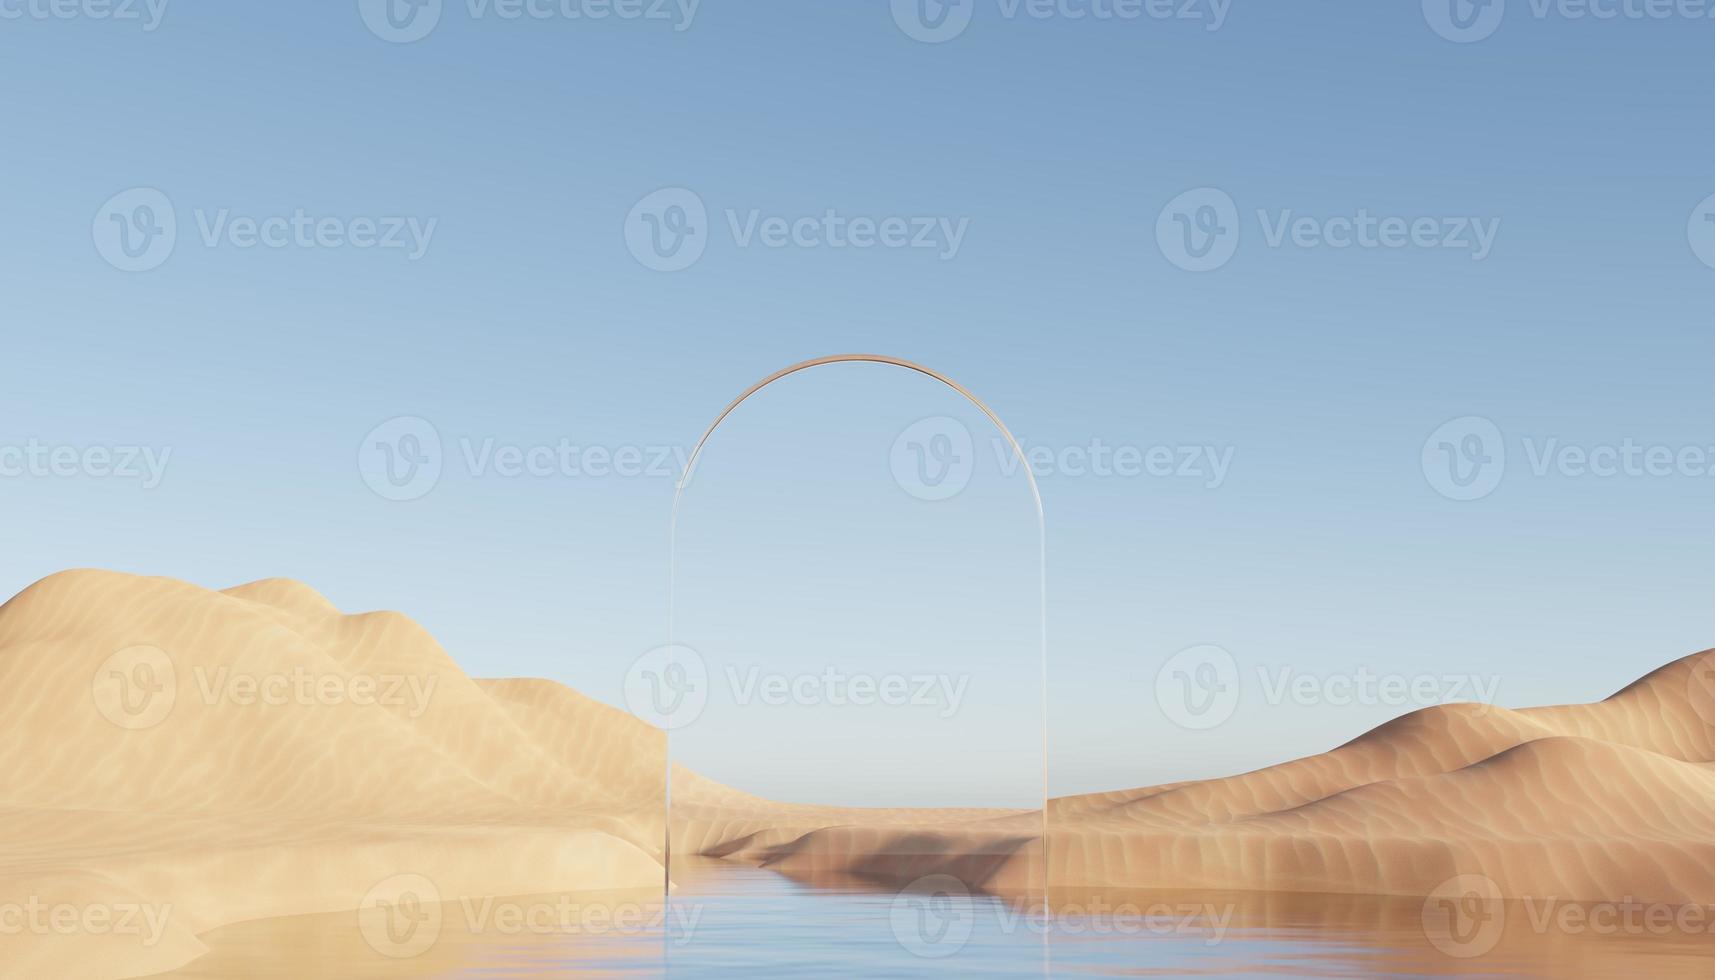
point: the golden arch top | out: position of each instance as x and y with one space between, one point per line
1018 451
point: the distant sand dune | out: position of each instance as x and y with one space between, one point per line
149 764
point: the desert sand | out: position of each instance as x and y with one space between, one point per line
211 758
1599 802
209 805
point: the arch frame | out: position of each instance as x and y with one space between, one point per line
1042 551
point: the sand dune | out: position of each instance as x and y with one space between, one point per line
1593 802
196 760
213 757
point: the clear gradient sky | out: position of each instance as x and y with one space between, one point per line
1033 157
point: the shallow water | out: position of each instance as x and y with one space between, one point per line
726 920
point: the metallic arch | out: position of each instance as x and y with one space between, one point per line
1042 543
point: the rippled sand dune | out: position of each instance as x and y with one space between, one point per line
1599 802
161 767
191 760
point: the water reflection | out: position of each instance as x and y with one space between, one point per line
730 920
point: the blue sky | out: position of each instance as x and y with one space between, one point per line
525 310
